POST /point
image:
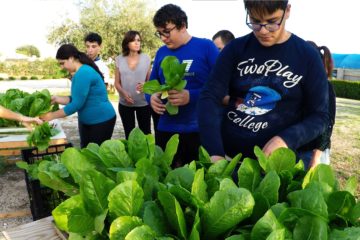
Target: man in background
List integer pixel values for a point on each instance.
(93, 47)
(222, 37)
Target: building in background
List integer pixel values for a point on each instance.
(346, 66)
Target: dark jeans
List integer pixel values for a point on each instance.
(143, 117)
(96, 133)
(188, 148)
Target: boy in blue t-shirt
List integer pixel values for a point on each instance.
(200, 56)
(272, 77)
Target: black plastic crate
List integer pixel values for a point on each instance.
(42, 199)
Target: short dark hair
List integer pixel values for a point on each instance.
(93, 37)
(170, 13)
(225, 35)
(129, 37)
(263, 7)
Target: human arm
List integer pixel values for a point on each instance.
(53, 115)
(197, 74)
(122, 92)
(210, 106)
(148, 74)
(179, 98)
(82, 82)
(156, 104)
(315, 106)
(24, 120)
(324, 140)
(320, 146)
(63, 100)
(139, 86)
(315, 158)
(154, 100)
(106, 73)
(273, 144)
(215, 158)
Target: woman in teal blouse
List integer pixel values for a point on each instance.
(96, 115)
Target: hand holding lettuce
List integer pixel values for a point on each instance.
(31, 105)
(174, 72)
(40, 136)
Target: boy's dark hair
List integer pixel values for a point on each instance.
(129, 37)
(93, 37)
(67, 51)
(170, 13)
(225, 35)
(262, 7)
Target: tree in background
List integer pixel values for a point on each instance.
(111, 19)
(47, 68)
(28, 50)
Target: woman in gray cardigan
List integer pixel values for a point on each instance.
(132, 70)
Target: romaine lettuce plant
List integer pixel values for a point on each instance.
(40, 136)
(31, 105)
(174, 72)
(126, 189)
(28, 104)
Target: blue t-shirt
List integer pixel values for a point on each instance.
(89, 97)
(269, 88)
(200, 56)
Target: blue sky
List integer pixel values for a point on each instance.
(327, 22)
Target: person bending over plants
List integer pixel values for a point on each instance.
(272, 77)
(96, 115)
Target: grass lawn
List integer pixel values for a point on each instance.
(345, 148)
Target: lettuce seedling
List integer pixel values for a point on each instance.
(174, 72)
(40, 136)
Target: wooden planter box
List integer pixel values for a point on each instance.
(12, 140)
(40, 229)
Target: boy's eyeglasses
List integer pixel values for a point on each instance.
(271, 27)
(165, 33)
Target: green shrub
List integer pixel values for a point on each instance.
(23, 78)
(1, 78)
(11, 78)
(347, 89)
(46, 67)
(34, 78)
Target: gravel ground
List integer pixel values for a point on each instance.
(13, 197)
